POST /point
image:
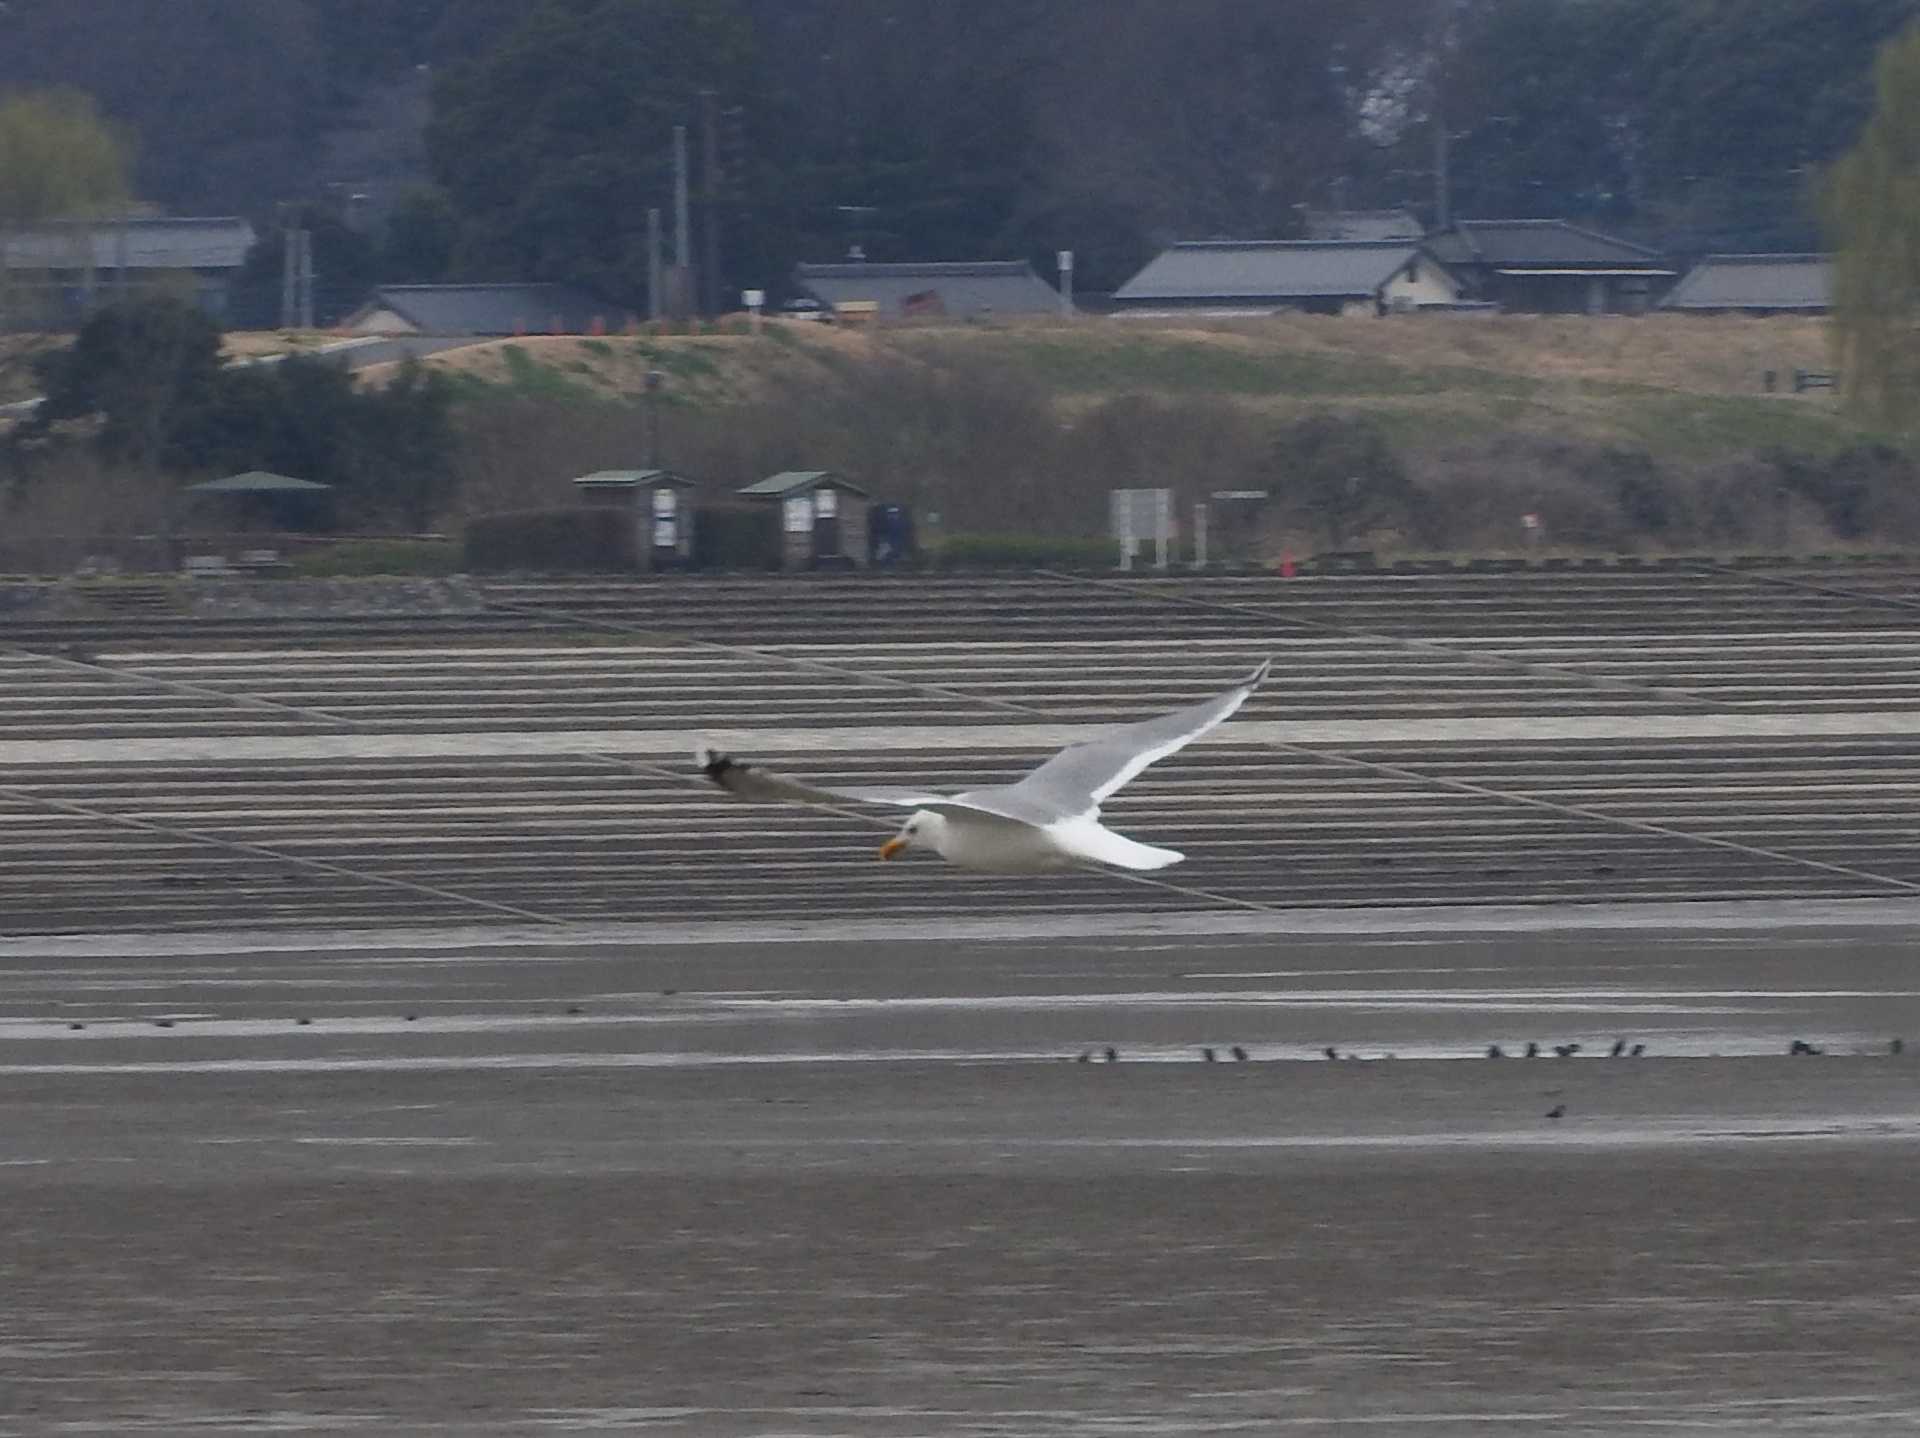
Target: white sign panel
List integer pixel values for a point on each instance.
(799, 514)
(1142, 514)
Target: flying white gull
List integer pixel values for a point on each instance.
(1048, 820)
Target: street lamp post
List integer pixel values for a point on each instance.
(655, 379)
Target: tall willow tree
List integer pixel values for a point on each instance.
(1872, 213)
(58, 161)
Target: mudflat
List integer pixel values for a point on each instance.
(869, 1189)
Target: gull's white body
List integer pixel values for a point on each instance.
(979, 841)
(1048, 820)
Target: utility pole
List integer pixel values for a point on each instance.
(710, 163)
(655, 300)
(306, 278)
(1446, 20)
(654, 380)
(680, 298)
(296, 277)
(289, 268)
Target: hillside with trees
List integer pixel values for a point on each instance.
(526, 138)
(539, 141)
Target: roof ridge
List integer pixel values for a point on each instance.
(484, 285)
(1398, 243)
(915, 264)
(1763, 256)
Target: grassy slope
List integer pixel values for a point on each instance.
(1683, 386)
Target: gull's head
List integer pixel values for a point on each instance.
(922, 831)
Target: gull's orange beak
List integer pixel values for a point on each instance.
(893, 846)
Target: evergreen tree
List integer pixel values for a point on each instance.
(553, 145)
(144, 368)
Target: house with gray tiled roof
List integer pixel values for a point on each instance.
(1551, 267)
(965, 290)
(62, 268)
(505, 309)
(1755, 284)
(1247, 277)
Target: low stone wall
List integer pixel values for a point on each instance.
(235, 598)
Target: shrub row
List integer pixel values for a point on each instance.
(580, 540)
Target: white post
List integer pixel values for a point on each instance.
(755, 301)
(1065, 260)
(1199, 536)
(1162, 528)
(1122, 502)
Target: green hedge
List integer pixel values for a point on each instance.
(355, 557)
(736, 536)
(583, 539)
(1024, 551)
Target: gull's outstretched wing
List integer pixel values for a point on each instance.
(1074, 781)
(750, 781)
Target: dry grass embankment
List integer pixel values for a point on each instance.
(1686, 385)
(1616, 429)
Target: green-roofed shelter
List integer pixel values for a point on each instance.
(258, 502)
(823, 517)
(797, 481)
(654, 502)
(258, 481)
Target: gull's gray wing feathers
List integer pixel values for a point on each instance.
(1073, 782)
(1068, 786)
(750, 781)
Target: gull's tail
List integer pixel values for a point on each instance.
(1090, 839)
